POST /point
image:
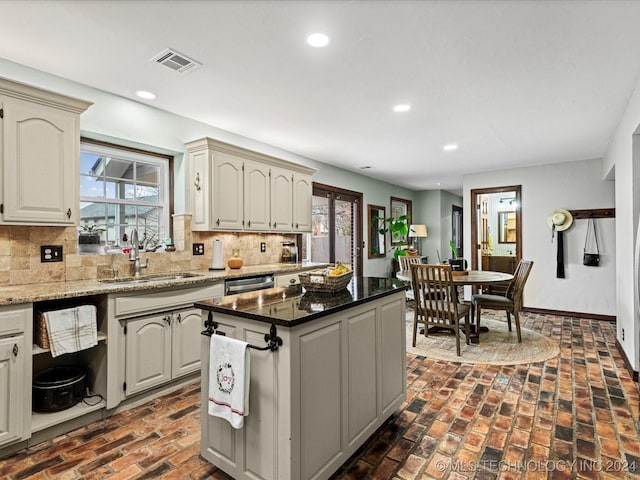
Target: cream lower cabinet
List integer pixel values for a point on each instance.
(315, 401)
(39, 156)
(160, 348)
(15, 373)
(158, 334)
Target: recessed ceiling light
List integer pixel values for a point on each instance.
(318, 40)
(402, 108)
(146, 95)
(450, 148)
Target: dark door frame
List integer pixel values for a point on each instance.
(336, 193)
(475, 193)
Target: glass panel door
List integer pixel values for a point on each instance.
(336, 228)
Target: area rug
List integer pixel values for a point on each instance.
(498, 346)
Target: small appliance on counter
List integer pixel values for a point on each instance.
(289, 252)
(58, 388)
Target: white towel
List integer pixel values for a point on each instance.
(229, 372)
(71, 329)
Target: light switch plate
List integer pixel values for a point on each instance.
(50, 253)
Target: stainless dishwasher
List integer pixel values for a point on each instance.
(248, 284)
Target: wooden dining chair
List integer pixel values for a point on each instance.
(436, 303)
(405, 266)
(510, 302)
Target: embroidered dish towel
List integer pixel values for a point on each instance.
(229, 372)
(71, 329)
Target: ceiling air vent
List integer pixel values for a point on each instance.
(176, 61)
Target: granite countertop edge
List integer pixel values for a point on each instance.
(211, 306)
(38, 292)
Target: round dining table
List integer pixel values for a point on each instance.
(472, 277)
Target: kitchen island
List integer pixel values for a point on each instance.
(338, 374)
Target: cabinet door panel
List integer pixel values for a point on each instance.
(321, 413)
(256, 196)
(393, 346)
(302, 193)
(148, 353)
(40, 154)
(361, 380)
(185, 354)
(227, 191)
(281, 200)
(11, 388)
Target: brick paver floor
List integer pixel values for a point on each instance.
(572, 417)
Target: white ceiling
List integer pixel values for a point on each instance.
(512, 83)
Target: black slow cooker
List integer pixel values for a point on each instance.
(58, 388)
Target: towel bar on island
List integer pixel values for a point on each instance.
(273, 340)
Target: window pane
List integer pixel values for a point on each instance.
(320, 229)
(91, 186)
(88, 162)
(91, 213)
(117, 168)
(147, 173)
(147, 193)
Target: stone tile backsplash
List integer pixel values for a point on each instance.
(20, 253)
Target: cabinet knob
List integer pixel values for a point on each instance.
(218, 222)
(196, 181)
(69, 213)
(274, 224)
(168, 319)
(249, 224)
(179, 318)
(296, 225)
(15, 350)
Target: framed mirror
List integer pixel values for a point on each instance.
(400, 207)
(507, 227)
(377, 241)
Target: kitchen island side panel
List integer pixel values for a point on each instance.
(304, 418)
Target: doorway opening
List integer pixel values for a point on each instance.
(336, 231)
(496, 228)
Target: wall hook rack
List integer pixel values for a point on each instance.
(593, 213)
(273, 340)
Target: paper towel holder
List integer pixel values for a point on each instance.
(217, 262)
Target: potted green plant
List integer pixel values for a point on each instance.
(399, 229)
(455, 261)
(89, 238)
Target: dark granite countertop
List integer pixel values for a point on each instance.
(290, 306)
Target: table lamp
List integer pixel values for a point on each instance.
(416, 232)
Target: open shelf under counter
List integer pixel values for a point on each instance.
(41, 421)
(37, 350)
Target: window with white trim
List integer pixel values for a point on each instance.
(122, 189)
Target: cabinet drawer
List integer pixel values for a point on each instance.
(287, 280)
(163, 299)
(12, 320)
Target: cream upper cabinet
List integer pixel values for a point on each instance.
(39, 156)
(256, 196)
(237, 189)
(228, 198)
(281, 200)
(302, 195)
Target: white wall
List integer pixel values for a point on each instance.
(572, 186)
(623, 160)
(131, 123)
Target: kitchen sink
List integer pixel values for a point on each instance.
(150, 278)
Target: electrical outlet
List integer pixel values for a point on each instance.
(50, 253)
(198, 248)
(263, 247)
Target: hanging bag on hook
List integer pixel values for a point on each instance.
(591, 259)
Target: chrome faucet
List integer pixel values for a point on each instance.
(134, 254)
